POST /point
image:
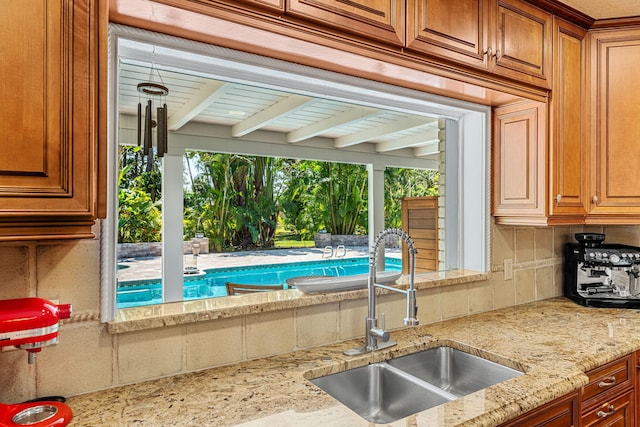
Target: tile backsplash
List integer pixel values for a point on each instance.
(88, 358)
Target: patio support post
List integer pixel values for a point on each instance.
(172, 232)
(375, 173)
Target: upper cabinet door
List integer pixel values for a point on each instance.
(519, 164)
(381, 20)
(523, 44)
(453, 29)
(567, 148)
(49, 124)
(615, 132)
(509, 38)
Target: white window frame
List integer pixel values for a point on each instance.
(468, 127)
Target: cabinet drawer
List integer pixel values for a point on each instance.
(614, 412)
(608, 379)
(562, 412)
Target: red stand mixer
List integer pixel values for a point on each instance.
(30, 324)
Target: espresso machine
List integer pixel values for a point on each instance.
(598, 274)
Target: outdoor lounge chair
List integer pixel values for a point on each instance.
(239, 289)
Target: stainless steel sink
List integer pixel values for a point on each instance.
(453, 370)
(387, 391)
(380, 393)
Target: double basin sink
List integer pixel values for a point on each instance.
(387, 391)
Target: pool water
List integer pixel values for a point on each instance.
(213, 282)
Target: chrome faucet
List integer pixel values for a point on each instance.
(377, 337)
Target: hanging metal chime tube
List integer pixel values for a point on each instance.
(148, 124)
(161, 132)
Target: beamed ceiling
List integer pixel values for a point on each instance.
(244, 109)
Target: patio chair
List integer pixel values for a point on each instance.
(239, 288)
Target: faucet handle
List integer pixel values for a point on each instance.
(380, 332)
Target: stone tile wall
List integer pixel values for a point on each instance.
(88, 358)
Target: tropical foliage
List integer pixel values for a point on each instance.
(238, 201)
(399, 183)
(139, 217)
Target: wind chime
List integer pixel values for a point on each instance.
(152, 91)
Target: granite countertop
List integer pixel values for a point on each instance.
(554, 341)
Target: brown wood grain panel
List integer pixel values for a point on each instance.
(381, 20)
(419, 220)
(422, 223)
(568, 152)
(520, 160)
(427, 266)
(620, 142)
(32, 94)
(55, 82)
(425, 213)
(427, 254)
(423, 234)
(619, 413)
(562, 412)
(615, 133)
(453, 29)
(618, 372)
(523, 43)
(425, 243)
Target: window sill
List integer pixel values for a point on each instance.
(201, 310)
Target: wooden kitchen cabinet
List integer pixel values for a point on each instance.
(380, 20)
(452, 29)
(593, 159)
(607, 381)
(614, 134)
(609, 397)
(519, 164)
(567, 144)
(522, 196)
(523, 42)
(511, 38)
(562, 412)
(618, 412)
(52, 175)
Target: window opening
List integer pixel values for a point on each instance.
(303, 91)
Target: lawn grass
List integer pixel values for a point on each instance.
(285, 239)
(283, 244)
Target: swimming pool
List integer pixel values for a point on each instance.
(212, 282)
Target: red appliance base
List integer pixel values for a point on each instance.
(35, 414)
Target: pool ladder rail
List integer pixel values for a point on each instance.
(328, 252)
(378, 337)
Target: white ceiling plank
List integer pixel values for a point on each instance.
(286, 106)
(206, 96)
(427, 150)
(380, 131)
(429, 135)
(347, 117)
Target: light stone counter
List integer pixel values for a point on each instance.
(554, 341)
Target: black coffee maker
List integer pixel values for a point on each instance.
(597, 274)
